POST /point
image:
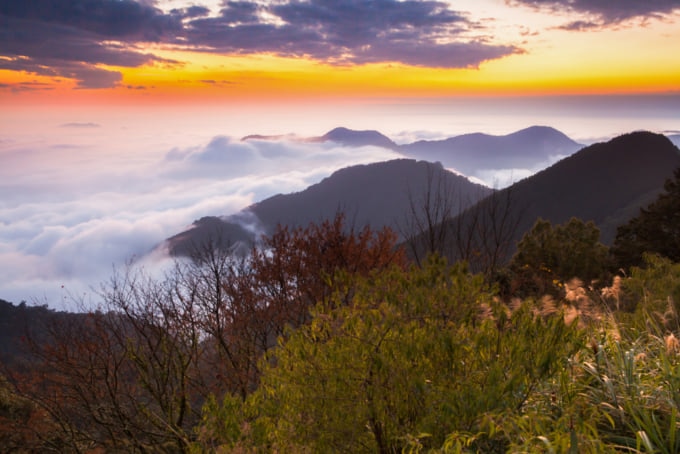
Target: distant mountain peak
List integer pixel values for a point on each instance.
(476, 153)
(356, 138)
(542, 131)
(606, 182)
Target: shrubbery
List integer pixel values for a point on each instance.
(429, 360)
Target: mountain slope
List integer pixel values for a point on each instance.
(375, 194)
(606, 183)
(469, 153)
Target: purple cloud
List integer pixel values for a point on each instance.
(604, 13)
(420, 33)
(70, 38)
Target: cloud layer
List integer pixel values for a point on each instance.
(72, 211)
(421, 33)
(78, 39)
(84, 190)
(74, 38)
(599, 13)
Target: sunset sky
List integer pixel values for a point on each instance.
(120, 120)
(127, 51)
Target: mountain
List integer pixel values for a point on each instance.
(475, 155)
(352, 138)
(342, 136)
(470, 153)
(606, 183)
(378, 195)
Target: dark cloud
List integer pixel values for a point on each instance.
(126, 20)
(241, 12)
(86, 75)
(421, 33)
(449, 55)
(190, 12)
(70, 38)
(581, 25)
(602, 12)
(26, 86)
(74, 38)
(51, 43)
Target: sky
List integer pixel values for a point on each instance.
(120, 120)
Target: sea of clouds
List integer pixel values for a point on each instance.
(82, 193)
(75, 205)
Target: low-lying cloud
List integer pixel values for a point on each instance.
(70, 213)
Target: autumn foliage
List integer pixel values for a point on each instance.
(133, 375)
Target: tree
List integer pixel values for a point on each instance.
(414, 357)
(424, 227)
(133, 375)
(484, 233)
(548, 254)
(441, 221)
(296, 268)
(24, 427)
(655, 230)
(127, 380)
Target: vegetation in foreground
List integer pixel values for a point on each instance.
(326, 340)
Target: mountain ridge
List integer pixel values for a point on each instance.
(607, 183)
(477, 155)
(377, 194)
(468, 153)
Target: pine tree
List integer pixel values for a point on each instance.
(655, 230)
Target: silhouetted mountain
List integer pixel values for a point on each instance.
(474, 155)
(606, 183)
(352, 138)
(470, 153)
(375, 194)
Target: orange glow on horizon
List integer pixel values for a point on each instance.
(629, 58)
(206, 78)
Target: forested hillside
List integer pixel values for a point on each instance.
(379, 195)
(606, 183)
